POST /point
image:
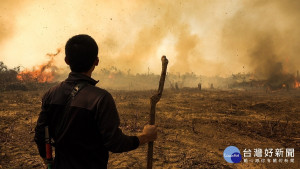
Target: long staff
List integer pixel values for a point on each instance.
(153, 101)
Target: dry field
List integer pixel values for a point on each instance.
(194, 127)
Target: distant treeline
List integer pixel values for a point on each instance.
(114, 78)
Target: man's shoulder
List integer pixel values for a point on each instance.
(90, 97)
(52, 89)
(88, 92)
(91, 88)
(96, 91)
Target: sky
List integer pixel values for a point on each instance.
(207, 37)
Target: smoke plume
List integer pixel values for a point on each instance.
(208, 37)
(262, 35)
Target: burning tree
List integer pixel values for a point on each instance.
(42, 73)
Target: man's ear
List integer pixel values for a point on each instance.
(96, 62)
(67, 61)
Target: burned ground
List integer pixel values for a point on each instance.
(194, 127)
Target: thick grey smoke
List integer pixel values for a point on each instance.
(264, 36)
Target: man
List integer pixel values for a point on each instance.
(84, 125)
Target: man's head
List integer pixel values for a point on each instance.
(81, 53)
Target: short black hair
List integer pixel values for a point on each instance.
(81, 52)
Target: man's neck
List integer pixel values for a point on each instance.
(89, 74)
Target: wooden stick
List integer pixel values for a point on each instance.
(153, 101)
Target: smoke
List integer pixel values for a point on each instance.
(185, 47)
(8, 12)
(167, 22)
(262, 36)
(147, 41)
(208, 37)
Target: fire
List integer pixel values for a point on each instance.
(42, 73)
(297, 84)
(111, 76)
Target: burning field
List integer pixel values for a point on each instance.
(195, 126)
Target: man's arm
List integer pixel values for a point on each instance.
(108, 122)
(39, 137)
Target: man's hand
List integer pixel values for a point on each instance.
(149, 134)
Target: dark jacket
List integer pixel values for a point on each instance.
(92, 127)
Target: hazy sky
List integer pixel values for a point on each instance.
(209, 37)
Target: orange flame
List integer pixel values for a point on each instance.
(111, 76)
(297, 84)
(42, 73)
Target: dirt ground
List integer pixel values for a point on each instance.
(194, 127)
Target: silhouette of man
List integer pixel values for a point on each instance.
(83, 119)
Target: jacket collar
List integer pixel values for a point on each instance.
(75, 77)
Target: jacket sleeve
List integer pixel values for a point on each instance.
(108, 121)
(39, 137)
